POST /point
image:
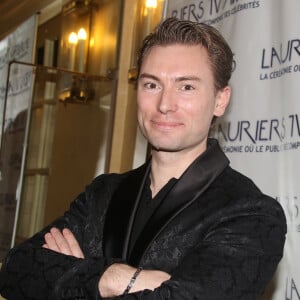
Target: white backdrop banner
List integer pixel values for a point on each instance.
(15, 101)
(261, 130)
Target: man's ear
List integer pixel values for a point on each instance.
(222, 101)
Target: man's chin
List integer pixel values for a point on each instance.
(164, 148)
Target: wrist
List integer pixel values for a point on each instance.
(115, 279)
(132, 280)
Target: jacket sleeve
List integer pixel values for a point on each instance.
(32, 272)
(235, 260)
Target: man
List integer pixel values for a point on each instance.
(184, 225)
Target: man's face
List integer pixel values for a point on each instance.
(176, 98)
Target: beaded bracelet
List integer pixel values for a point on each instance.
(132, 280)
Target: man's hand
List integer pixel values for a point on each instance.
(63, 242)
(116, 278)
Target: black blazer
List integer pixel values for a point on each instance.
(216, 234)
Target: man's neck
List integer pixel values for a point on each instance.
(167, 165)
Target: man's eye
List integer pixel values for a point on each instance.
(187, 87)
(150, 85)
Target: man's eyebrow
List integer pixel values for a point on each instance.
(178, 79)
(149, 76)
(187, 78)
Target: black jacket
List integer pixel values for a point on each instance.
(216, 234)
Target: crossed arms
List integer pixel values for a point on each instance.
(115, 279)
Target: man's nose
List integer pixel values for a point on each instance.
(167, 102)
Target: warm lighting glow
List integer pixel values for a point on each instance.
(151, 3)
(73, 38)
(81, 34)
(92, 42)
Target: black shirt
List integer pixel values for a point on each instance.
(147, 207)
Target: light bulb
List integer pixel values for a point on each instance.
(73, 38)
(81, 34)
(151, 3)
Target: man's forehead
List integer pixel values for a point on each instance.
(176, 53)
(178, 61)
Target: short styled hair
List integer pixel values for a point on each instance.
(174, 31)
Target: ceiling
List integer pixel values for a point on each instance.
(14, 12)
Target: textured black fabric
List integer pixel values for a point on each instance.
(223, 240)
(146, 208)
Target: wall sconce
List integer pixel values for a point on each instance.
(77, 55)
(150, 6)
(149, 14)
(74, 51)
(79, 89)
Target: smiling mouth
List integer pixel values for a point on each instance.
(163, 125)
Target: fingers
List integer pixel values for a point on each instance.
(72, 242)
(63, 242)
(56, 242)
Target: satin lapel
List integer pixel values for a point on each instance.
(120, 213)
(194, 181)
